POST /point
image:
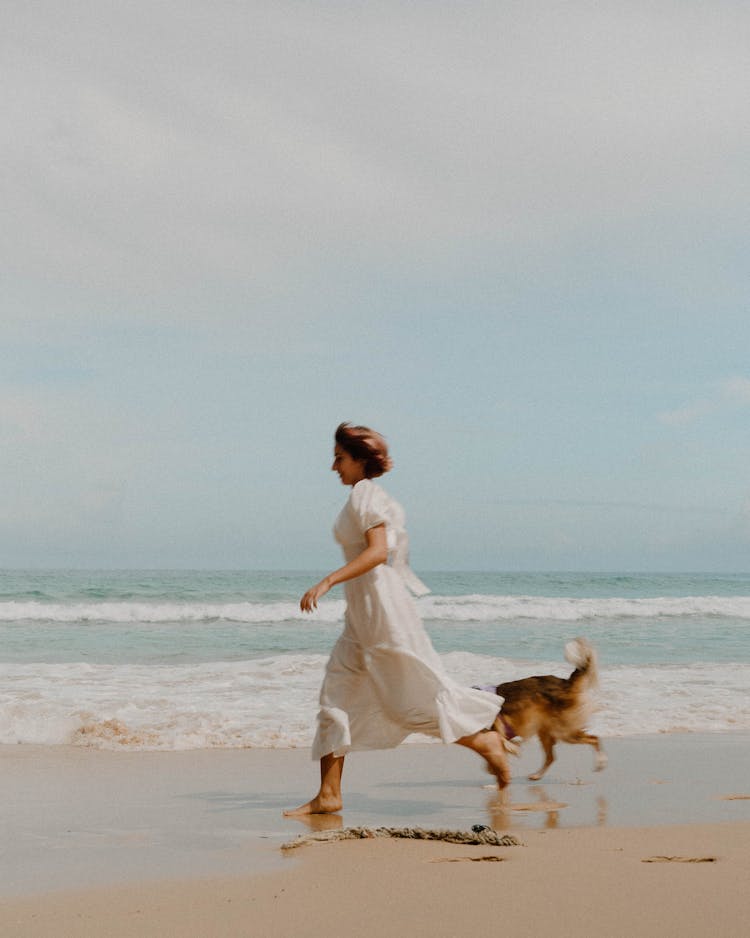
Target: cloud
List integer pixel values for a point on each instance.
(683, 416)
(63, 455)
(153, 145)
(736, 390)
(21, 419)
(612, 505)
(727, 394)
(744, 515)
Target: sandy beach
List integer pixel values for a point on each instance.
(190, 843)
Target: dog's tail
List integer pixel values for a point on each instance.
(583, 658)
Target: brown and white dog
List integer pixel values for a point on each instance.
(555, 709)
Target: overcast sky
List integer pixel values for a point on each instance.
(511, 236)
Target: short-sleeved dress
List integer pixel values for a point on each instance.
(384, 680)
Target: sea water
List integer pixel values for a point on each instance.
(200, 659)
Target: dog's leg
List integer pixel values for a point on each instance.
(581, 737)
(548, 745)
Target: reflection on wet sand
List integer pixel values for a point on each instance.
(320, 822)
(601, 813)
(505, 814)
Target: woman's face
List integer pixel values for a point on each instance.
(350, 470)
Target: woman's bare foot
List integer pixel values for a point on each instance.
(328, 800)
(497, 764)
(317, 805)
(489, 745)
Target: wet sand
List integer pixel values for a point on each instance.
(202, 830)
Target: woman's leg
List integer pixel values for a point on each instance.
(328, 800)
(487, 743)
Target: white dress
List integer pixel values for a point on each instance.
(384, 680)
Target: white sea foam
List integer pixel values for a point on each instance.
(165, 612)
(472, 608)
(261, 703)
(271, 702)
(480, 608)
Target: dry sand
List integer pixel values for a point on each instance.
(187, 844)
(576, 882)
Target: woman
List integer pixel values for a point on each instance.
(384, 679)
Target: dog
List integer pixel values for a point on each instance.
(555, 709)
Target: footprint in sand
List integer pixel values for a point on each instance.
(679, 860)
(490, 858)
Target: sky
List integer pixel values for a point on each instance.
(513, 237)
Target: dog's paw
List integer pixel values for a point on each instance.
(510, 747)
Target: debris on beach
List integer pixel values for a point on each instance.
(490, 857)
(679, 860)
(486, 837)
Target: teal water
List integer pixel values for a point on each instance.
(193, 616)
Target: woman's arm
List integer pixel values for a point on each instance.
(374, 554)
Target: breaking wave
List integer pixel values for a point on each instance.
(472, 608)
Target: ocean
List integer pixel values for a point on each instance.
(206, 659)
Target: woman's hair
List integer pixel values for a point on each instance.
(367, 445)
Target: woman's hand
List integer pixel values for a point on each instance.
(309, 602)
(374, 554)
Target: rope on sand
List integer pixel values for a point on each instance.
(486, 837)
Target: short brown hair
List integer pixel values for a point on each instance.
(367, 445)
